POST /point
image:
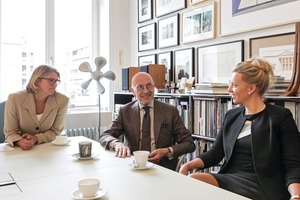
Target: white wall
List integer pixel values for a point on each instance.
(119, 42)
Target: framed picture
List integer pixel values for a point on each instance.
(164, 7)
(168, 32)
(198, 24)
(147, 37)
(147, 59)
(166, 58)
(277, 49)
(243, 13)
(216, 62)
(192, 2)
(184, 64)
(145, 10)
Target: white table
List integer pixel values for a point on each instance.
(50, 172)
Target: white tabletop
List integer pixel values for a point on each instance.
(50, 172)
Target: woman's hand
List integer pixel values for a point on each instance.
(25, 144)
(184, 169)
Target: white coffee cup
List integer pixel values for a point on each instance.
(61, 139)
(141, 158)
(88, 187)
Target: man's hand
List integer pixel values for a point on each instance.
(121, 150)
(157, 155)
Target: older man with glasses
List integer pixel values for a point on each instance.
(164, 134)
(37, 114)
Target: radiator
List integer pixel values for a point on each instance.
(91, 132)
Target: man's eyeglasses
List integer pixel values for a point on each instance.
(52, 81)
(141, 88)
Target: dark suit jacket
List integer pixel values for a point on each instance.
(275, 148)
(20, 117)
(169, 130)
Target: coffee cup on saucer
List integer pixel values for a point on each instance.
(61, 139)
(89, 187)
(141, 158)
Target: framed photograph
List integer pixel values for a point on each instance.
(166, 58)
(247, 14)
(145, 10)
(184, 64)
(192, 2)
(147, 59)
(164, 7)
(277, 49)
(147, 37)
(216, 62)
(168, 32)
(198, 24)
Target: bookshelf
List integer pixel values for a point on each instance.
(182, 102)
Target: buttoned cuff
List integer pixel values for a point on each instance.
(170, 154)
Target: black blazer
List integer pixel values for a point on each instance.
(275, 148)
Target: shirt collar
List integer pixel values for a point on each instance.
(151, 104)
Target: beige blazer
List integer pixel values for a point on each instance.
(20, 117)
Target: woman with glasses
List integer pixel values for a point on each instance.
(37, 114)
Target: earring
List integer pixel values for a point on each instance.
(249, 93)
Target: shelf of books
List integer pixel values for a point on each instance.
(181, 101)
(209, 112)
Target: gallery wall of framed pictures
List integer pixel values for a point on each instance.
(185, 35)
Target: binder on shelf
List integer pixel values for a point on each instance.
(127, 74)
(157, 72)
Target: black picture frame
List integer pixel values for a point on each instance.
(168, 32)
(183, 64)
(166, 58)
(145, 10)
(147, 37)
(146, 59)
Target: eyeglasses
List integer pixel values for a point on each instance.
(141, 88)
(52, 81)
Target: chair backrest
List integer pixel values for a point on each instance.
(2, 106)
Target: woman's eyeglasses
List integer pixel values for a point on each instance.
(52, 81)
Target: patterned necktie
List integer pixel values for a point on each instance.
(145, 144)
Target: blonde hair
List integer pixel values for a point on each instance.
(40, 72)
(258, 72)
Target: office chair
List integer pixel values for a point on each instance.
(2, 136)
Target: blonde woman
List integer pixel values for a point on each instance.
(37, 114)
(260, 143)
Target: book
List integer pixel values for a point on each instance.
(210, 88)
(214, 90)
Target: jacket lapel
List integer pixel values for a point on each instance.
(135, 121)
(49, 107)
(159, 118)
(29, 106)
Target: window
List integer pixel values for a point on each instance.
(25, 44)
(22, 42)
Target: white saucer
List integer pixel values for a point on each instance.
(76, 155)
(148, 165)
(60, 144)
(77, 195)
